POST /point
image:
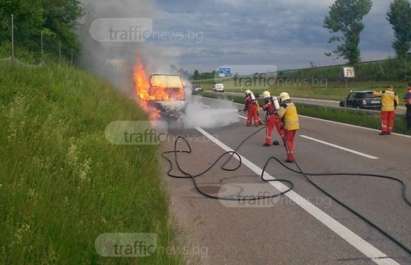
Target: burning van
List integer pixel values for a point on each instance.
(159, 95)
(167, 94)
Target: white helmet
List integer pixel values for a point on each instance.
(284, 96)
(252, 96)
(248, 92)
(266, 94)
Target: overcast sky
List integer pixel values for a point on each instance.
(286, 33)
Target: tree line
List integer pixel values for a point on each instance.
(55, 21)
(345, 23)
(50, 20)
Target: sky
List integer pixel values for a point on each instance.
(285, 33)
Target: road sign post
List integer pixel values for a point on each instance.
(349, 73)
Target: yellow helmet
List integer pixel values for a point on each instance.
(285, 96)
(266, 94)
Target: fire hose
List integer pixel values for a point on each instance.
(184, 174)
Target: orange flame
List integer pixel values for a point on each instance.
(159, 90)
(141, 86)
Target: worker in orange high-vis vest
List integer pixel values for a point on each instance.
(389, 103)
(289, 115)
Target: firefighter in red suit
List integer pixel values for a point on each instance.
(289, 115)
(271, 106)
(252, 109)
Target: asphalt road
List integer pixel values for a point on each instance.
(305, 226)
(321, 102)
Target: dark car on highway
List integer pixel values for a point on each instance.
(362, 100)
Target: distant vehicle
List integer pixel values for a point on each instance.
(197, 90)
(362, 100)
(218, 88)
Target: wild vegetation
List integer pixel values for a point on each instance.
(34, 20)
(62, 183)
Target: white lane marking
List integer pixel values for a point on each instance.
(343, 124)
(352, 126)
(334, 145)
(353, 239)
(317, 100)
(339, 147)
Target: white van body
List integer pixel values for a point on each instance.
(218, 88)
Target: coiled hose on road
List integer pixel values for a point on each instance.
(184, 174)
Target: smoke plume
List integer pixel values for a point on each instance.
(220, 114)
(115, 60)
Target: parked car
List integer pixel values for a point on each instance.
(197, 90)
(218, 88)
(362, 100)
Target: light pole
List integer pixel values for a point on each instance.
(12, 38)
(60, 51)
(42, 46)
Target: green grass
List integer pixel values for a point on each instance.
(25, 56)
(62, 184)
(318, 89)
(365, 119)
(336, 90)
(390, 69)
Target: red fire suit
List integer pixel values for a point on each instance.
(251, 108)
(272, 121)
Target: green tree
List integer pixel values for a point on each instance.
(345, 21)
(55, 18)
(399, 16)
(28, 20)
(196, 75)
(60, 17)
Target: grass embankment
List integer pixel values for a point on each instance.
(365, 119)
(336, 90)
(62, 184)
(322, 82)
(304, 89)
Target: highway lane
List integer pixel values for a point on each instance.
(285, 233)
(272, 232)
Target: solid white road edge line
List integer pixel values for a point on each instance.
(353, 239)
(353, 126)
(335, 146)
(339, 147)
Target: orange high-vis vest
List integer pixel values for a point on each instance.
(388, 100)
(289, 115)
